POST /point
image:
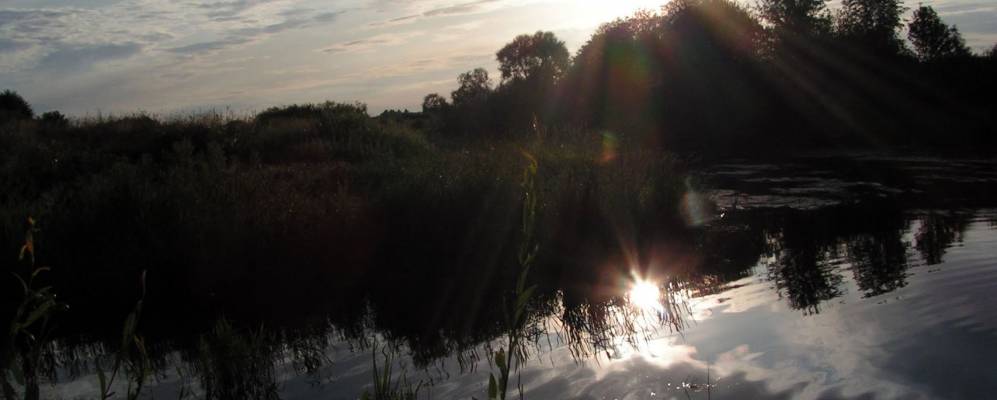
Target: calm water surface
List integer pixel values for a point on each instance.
(868, 277)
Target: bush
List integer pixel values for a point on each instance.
(13, 107)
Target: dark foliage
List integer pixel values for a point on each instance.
(13, 107)
(709, 77)
(932, 39)
(540, 57)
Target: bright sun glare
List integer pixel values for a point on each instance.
(646, 295)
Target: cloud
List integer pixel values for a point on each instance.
(370, 43)
(224, 10)
(459, 8)
(425, 65)
(208, 46)
(10, 17)
(7, 45)
(449, 10)
(251, 34)
(77, 58)
(32, 25)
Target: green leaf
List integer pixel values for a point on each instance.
(521, 301)
(492, 387)
(38, 271)
(37, 313)
(128, 331)
(500, 360)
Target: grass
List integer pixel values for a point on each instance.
(385, 385)
(295, 202)
(32, 327)
(32, 336)
(130, 360)
(237, 365)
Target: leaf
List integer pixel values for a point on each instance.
(27, 248)
(24, 285)
(38, 271)
(492, 387)
(128, 331)
(37, 313)
(102, 380)
(500, 360)
(521, 301)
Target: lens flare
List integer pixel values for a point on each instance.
(646, 295)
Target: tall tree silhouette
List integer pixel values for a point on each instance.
(872, 25)
(932, 39)
(473, 87)
(531, 67)
(540, 56)
(434, 103)
(471, 113)
(791, 19)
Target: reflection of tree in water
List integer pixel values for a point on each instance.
(937, 232)
(432, 317)
(803, 274)
(879, 261)
(806, 249)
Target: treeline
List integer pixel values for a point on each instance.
(712, 77)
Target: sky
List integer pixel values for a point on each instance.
(174, 57)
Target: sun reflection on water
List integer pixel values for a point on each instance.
(646, 295)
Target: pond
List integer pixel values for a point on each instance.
(818, 277)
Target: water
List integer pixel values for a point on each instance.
(823, 277)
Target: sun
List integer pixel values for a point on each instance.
(646, 295)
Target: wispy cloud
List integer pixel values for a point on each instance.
(250, 34)
(7, 45)
(443, 10)
(75, 58)
(211, 45)
(225, 10)
(371, 43)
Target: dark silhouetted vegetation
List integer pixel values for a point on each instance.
(421, 226)
(13, 107)
(713, 78)
(932, 39)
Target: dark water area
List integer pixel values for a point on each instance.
(817, 277)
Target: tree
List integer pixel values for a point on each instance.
(872, 24)
(932, 39)
(14, 107)
(54, 119)
(795, 17)
(474, 86)
(433, 103)
(538, 56)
